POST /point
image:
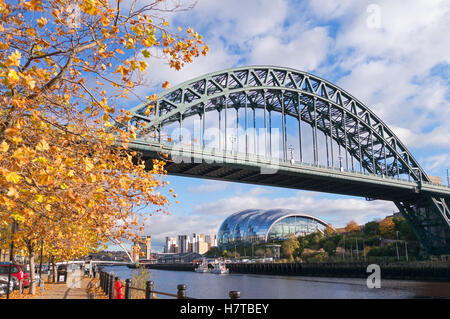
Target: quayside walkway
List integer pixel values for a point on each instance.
(76, 290)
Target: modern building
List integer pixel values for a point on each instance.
(435, 179)
(196, 238)
(259, 226)
(211, 240)
(135, 251)
(198, 243)
(201, 247)
(146, 247)
(142, 249)
(171, 245)
(183, 244)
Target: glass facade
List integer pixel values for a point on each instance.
(255, 225)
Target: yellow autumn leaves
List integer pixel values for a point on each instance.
(11, 77)
(67, 176)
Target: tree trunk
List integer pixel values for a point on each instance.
(32, 274)
(54, 269)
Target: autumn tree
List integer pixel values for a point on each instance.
(404, 229)
(352, 226)
(329, 246)
(65, 168)
(387, 228)
(371, 228)
(329, 231)
(289, 246)
(259, 252)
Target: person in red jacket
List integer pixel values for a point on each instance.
(118, 289)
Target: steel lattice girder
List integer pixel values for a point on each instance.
(309, 99)
(430, 221)
(207, 93)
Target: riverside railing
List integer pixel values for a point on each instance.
(107, 285)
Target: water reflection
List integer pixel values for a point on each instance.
(214, 286)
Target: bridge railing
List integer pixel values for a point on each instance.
(107, 285)
(186, 148)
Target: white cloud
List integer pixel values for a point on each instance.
(237, 20)
(160, 226)
(207, 217)
(389, 68)
(253, 34)
(208, 187)
(433, 163)
(298, 47)
(338, 212)
(159, 70)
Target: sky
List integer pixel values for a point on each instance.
(392, 55)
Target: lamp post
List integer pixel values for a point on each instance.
(291, 150)
(232, 140)
(343, 250)
(364, 250)
(406, 250)
(341, 168)
(351, 252)
(396, 245)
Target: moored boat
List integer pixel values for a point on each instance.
(219, 268)
(203, 267)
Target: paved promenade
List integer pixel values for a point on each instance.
(77, 289)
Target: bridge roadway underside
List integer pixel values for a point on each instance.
(282, 174)
(422, 204)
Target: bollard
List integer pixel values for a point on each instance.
(106, 282)
(111, 286)
(235, 294)
(181, 294)
(149, 288)
(127, 289)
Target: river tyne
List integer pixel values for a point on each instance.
(213, 286)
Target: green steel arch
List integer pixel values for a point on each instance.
(326, 108)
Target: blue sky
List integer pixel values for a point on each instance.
(391, 56)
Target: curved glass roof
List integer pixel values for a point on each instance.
(253, 225)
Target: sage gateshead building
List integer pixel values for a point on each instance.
(259, 226)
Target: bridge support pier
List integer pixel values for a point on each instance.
(430, 220)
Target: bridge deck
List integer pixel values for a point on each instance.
(209, 164)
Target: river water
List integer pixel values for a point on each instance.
(214, 286)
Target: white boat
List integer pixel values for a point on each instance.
(219, 268)
(203, 267)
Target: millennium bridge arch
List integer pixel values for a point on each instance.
(351, 150)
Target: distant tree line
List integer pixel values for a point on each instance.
(374, 239)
